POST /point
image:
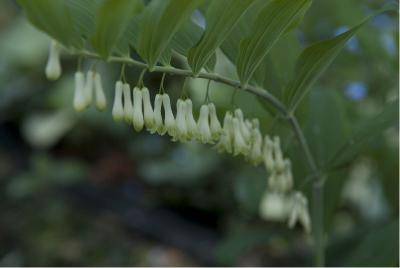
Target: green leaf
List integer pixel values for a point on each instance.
(112, 18)
(274, 20)
(312, 62)
(327, 125)
(221, 17)
(187, 36)
(161, 20)
(365, 133)
(230, 46)
(66, 21)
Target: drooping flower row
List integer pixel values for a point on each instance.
(236, 136)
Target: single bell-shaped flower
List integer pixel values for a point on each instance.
(53, 66)
(224, 144)
(118, 108)
(268, 150)
(181, 120)
(227, 135)
(287, 171)
(203, 125)
(273, 182)
(88, 89)
(147, 109)
(239, 144)
(278, 157)
(215, 125)
(299, 212)
(158, 120)
(101, 101)
(79, 97)
(169, 120)
(245, 131)
(192, 130)
(137, 119)
(128, 106)
(256, 155)
(255, 123)
(274, 206)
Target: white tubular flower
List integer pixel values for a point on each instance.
(278, 157)
(203, 125)
(79, 97)
(268, 154)
(239, 144)
(181, 120)
(215, 125)
(273, 182)
(169, 120)
(256, 155)
(227, 135)
(287, 171)
(118, 108)
(101, 101)
(53, 66)
(147, 109)
(255, 123)
(299, 212)
(158, 121)
(137, 118)
(191, 124)
(128, 106)
(274, 206)
(243, 127)
(88, 89)
(249, 125)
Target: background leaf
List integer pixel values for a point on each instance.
(221, 17)
(65, 21)
(160, 22)
(275, 19)
(384, 240)
(112, 19)
(365, 133)
(312, 62)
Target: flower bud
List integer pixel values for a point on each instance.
(287, 171)
(203, 125)
(191, 124)
(79, 97)
(118, 109)
(158, 121)
(239, 145)
(101, 101)
(215, 126)
(268, 154)
(278, 157)
(137, 118)
(169, 120)
(242, 125)
(255, 123)
(256, 155)
(227, 135)
(53, 66)
(128, 106)
(147, 109)
(181, 119)
(274, 206)
(88, 89)
(299, 212)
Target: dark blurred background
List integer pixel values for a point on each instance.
(81, 189)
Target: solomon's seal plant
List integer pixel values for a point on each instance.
(244, 34)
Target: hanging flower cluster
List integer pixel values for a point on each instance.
(237, 135)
